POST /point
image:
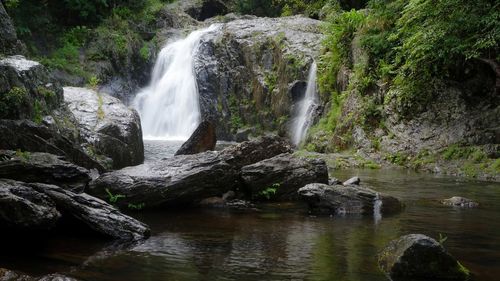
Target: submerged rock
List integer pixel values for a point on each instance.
(202, 139)
(42, 168)
(185, 179)
(416, 256)
(462, 202)
(95, 213)
(280, 177)
(338, 200)
(24, 209)
(107, 126)
(29, 136)
(10, 275)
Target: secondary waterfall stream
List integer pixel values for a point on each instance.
(305, 109)
(169, 107)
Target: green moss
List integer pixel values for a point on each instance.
(38, 112)
(11, 102)
(100, 111)
(23, 155)
(398, 158)
(144, 52)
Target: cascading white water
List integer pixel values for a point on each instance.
(377, 209)
(169, 107)
(306, 107)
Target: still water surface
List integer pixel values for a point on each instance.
(281, 242)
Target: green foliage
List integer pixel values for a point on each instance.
(12, 101)
(37, 112)
(94, 82)
(114, 198)
(270, 191)
(23, 155)
(136, 207)
(442, 239)
(339, 31)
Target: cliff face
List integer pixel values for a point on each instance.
(9, 44)
(253, 70)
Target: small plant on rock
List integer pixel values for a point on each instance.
(114, 198)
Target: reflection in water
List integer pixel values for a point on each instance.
(278, 244)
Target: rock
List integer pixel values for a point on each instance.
(339, 200)
(26, 89)
(202, 139)
(43, 168)
(9, 44)
(28, 136)
(334, 181)
(107, 126)
(10, 275)
(280, 177)
(186, 179)
(24, 209)
(202, 10)
(352, 181)
(213, 202)
(457, 201)
(228, 195)
(183, 179)
(253, 151)
(95, 213)
(243, 134)
(420, 257)
(233, 68)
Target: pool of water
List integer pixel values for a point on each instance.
(282, 242)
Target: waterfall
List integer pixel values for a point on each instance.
(305, 108)
(377, 208)
(169, 106)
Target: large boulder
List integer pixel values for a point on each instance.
(247, 69)
(107, 126)
(9, 44)
(280, 177)
(95, 213)
(253, 151)
(43, 168)
(416, 256)
(338, 200)
(202, 139)
(26, 135)
(24, 209)
(185, 179)
(26, 89)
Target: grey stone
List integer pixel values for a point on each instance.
(107, 126)
(203, 139)
(43, 168)
(416, 256)
(462, 202)
(352, 181)
(284, 174)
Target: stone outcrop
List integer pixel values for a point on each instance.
(185, 179)
(42, 168)
(26, 135)
(106, 126)
(26, 89)
(279, 177)
(202, 139)
(95, 213)
(416, 256)
(24, 209)
(246, 70)
(339, 200)
(10, 275)
(9, 44)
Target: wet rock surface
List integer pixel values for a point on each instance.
(281, 176)
(9, 44)
(419, 257)
(10, 275)
(43, 168)
(457, 201)
(186, 179)
(95, 213)
(24, 209)
(107, 126)
(339, 200)
(246, 70)
(26, 135)
(202, 139)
